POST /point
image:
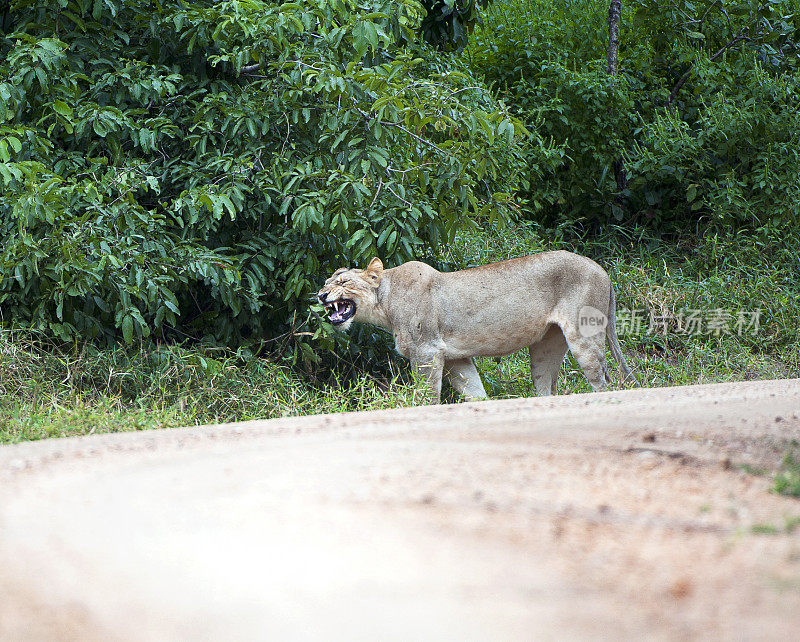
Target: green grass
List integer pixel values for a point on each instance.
(789, 526)
(51, 392)
(787, 478)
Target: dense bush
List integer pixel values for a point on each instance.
(701, 117)
(447, 24)
(195, 168)
(736, 162)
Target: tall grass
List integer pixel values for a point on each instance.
(52, 391)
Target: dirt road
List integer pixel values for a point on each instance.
(603, 516)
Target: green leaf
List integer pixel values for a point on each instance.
(99, 128)
(127, 329)
(62, 108)
(16, 145)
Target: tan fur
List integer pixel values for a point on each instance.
(440, 321)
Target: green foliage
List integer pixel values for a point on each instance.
(591, 116)
(195, 169)
(701, 117)
(734, 163)
(448, 23)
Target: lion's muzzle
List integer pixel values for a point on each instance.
(339, 310)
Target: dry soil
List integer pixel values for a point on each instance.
(618, 515)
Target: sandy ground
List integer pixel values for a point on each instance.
(617, 515)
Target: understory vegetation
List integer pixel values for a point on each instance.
(175, 184)
(49, 390)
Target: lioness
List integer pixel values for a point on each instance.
(546, 302)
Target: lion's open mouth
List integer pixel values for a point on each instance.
(340, 311)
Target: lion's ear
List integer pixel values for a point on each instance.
(374, 271)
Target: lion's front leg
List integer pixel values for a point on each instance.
(430, 363)
(464, 377)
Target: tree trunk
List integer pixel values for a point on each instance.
(613, 36)
(613, 64)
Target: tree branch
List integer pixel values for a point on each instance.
(389, 123)
(682, 80)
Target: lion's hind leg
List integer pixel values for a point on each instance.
(547, 355)
(464, 377)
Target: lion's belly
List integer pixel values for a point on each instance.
(494, 337)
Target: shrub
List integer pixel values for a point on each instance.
(700, 117)
(194, 168)
(735, 162)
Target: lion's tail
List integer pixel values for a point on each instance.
(613, 341)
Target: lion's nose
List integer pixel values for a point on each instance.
(322, 296)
